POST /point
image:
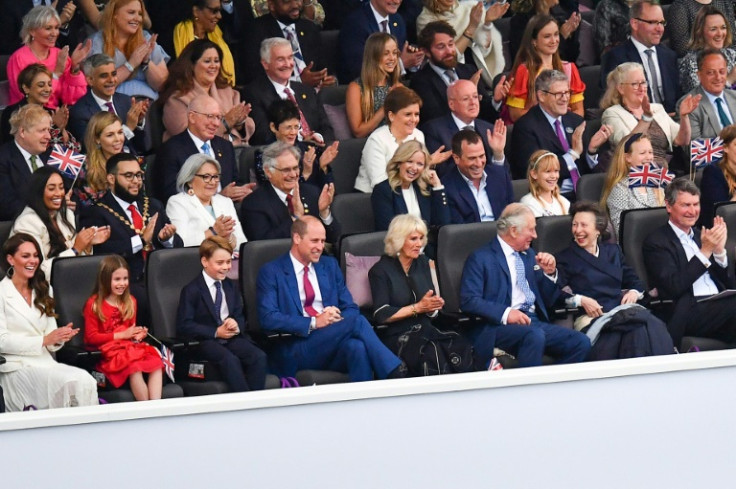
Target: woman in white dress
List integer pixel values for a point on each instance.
(544, 198)
(31, 377)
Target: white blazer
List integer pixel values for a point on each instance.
(191, 219)
(29, 222)
(22, 328)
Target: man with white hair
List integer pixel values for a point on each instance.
(277, 59)
(510, 286)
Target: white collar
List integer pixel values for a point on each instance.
(460, 124)
(209, 280)
(198, 142)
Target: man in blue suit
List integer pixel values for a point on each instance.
(211, 312)
(510, 286)
(303, 294)
(476, 191)
(660, 62)
(463, 104)
(102, 78)
(373, 16)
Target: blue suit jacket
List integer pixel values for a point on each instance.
(463, 208)
(279, 307)
(388, 204)
(356, 28)
(439, 132)
(81, 112)
(603, 278)
(667, 68)
(196, 317)
(485, 289)
(714, 189)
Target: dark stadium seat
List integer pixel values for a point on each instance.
(554, 234)
(520, 188)
(73, 280)
(591, 76)
(354, 212)
(590, 187)
(329, 54)
(346, 163)
(368, 244)
(253, 255)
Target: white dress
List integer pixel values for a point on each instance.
(377, 152)
(541, 208)
(31, 375)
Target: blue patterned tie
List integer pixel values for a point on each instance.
(206, 149)
(523, 284)
(218, 301)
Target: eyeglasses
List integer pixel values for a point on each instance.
(130, 176)
(207, 177)
(662, 23)
(558, 95)
(291, 169)
(639, 84)
(210, 117)
(214, 11)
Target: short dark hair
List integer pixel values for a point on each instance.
(467, 136)
(638, 7)
(112, 164)
(601, 218)
(682, 184)
(281, 111)
(400, 98)
(426, 37)
(700, 58)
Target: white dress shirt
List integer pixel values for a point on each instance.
(317, 302)
(517, 295)
(485, 210)
(704, 285)
(27, 157)
(224, 311)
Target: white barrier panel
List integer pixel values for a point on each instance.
(643, 423)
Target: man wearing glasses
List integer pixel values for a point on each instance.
(660, 63)
(270, 210)
(551, 126)
(138, 224)
(203, 120)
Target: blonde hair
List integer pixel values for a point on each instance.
(543, 160)
(405, 151)
(26, 117)
(615, 78)
(371, 75)
(96, 161)
(619, 169)
(400, 228)
(109, 29)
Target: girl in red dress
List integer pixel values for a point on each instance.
(109, 318)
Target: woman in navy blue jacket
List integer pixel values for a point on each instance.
(719, 179)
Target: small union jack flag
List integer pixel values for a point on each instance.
(705, 151)
(665, 177)
(167, 356)
(645, 176)
(66, 160)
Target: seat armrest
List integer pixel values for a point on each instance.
(2, 359)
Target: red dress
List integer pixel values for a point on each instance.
(120, 358)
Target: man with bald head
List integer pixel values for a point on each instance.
(204, 117)
(510, 287)
(464, 107)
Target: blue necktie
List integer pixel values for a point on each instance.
(218, 301)
(523, 284)
(725, 121)
(206, 149)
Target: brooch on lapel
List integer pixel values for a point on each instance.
(306, 207)
(396, 24)
(301, 33)
(219, 154)
(569, 130)
(304, 96)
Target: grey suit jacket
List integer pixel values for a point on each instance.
(704, 121)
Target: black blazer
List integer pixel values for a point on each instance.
(387, 204)
(463, 208)
(81, 112)
(121, 232)
(174, 152)
(260, 93)
(265, 216)
(439, 132)
(532, 132)
(267, 26)
(196, 318)
(673, 275)
(433, 91)
(356, 28)
(14, 175)
(603, 277)
(667, 68)
(392, 289)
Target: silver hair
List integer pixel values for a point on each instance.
(268, 44)
(95, 61)
(547, 77)
(274, 150)
(190, 168)
(37, 17)
(678, 185)
(513, 216)
(400, 228)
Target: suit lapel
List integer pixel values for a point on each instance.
(601, 263)
(15, 301)
(290, 277)
(207, 298)
(323, 280)
(466, 194)
(710, 113)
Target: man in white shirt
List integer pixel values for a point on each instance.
(688, 265)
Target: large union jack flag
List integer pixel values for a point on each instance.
(167, 357)
(66, 160)
(705, 151)
(649, 175)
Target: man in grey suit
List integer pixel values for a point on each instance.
(717, 108)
